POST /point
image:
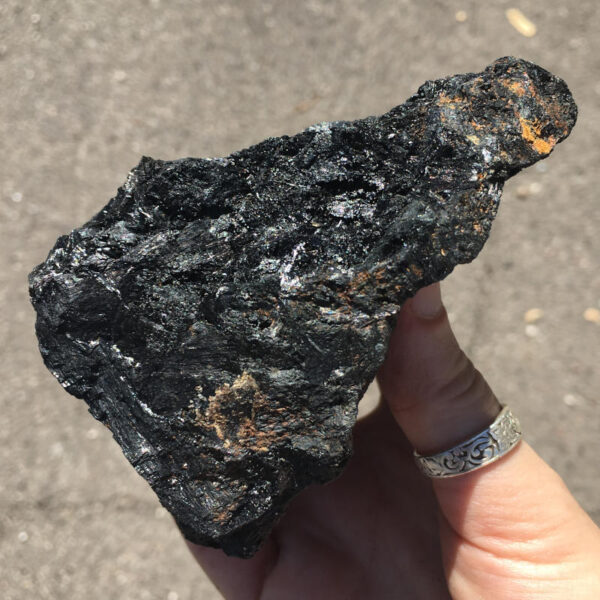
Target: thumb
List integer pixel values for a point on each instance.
(512, 521)
(437, 396)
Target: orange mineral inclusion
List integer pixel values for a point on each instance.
(531, 132)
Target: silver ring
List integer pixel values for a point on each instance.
(476, 452)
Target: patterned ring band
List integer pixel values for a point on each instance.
(480, 450)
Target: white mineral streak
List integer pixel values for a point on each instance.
(323, 127)
(378, 182)
(286, 283)
(140, 447)
(269, 265)
(147, 409)
(130, 182)
(338, 209)
(128, 360)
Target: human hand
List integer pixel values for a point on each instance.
(510, 530)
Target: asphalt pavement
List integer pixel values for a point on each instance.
(88, 87)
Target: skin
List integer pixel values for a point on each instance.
(383, 531)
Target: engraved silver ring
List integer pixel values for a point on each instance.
(482, 449)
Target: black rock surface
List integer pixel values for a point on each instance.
(223, 317)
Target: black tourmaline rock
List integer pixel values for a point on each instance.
(223, 317)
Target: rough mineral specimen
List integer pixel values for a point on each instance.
(223, 317)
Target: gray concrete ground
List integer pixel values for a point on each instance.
(87, 87)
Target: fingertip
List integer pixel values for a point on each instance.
(427, 303)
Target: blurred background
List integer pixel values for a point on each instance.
(87, 87)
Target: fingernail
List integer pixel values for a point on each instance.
(427, 304)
